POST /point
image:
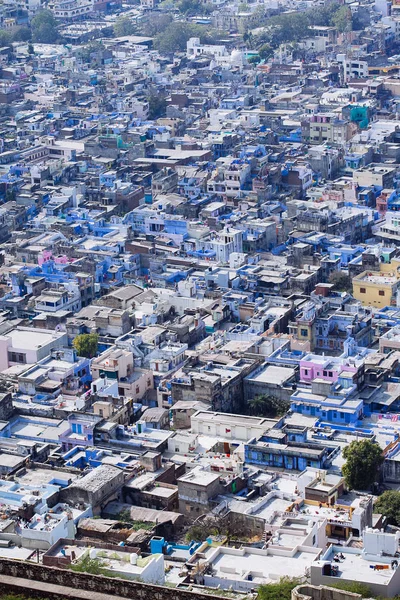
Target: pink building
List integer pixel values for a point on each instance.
(329, 368)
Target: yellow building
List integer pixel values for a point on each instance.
(376, 289)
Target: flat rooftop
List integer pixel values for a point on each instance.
(272, 374)
(355, 565)
(230, 563)
(199, 477)
(32, 339)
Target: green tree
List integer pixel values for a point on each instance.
(268, 406)
(5, 38)
(217, 525)
(363, 460)
(124, 26)
(341, 281)
(86, 344)
(293, 27)
(389, 505)
(174, 37)
(157, 104)
(265, 51)
(342, 19)
(21, 34)
(278, 591)
(44, 27)
(284, 28)
(86, 52)
(156, 24)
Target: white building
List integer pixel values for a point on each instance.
(24, 345)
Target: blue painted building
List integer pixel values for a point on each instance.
(292, 456)
(339, 405)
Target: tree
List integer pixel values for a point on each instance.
(341, 281)
(194, 7)
(342, 19)
(5, 38)
(174, 37)
(278, 591)
(86, 53)
(124, 26)
(292, 27)
(363, 460)
(225, 525)
(268, 406)
(86, 344)
(21, 34)
(389, 505)
(265, 51)
(156, 24)
(157, 104)
(44, 27)
(284, 28)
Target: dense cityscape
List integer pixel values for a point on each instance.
(199, 299)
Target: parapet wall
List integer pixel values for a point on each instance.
(322, 592)
(89, 586)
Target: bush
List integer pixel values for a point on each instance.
(355, 587)
(278, 591)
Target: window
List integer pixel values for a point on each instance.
(303, 332)
(305, 371)
(17, 357)
(362, 290)
(325, 373)
(381, 292)
(330, 374)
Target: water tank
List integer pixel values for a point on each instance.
(93, 553)
(133, 558)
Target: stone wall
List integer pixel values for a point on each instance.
(322, 592)
(50, 576)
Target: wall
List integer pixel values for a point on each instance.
(81, 586)
(312, 592)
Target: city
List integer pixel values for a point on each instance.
(199, 299)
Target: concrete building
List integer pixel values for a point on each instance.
(96, 488)
(196, 489)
